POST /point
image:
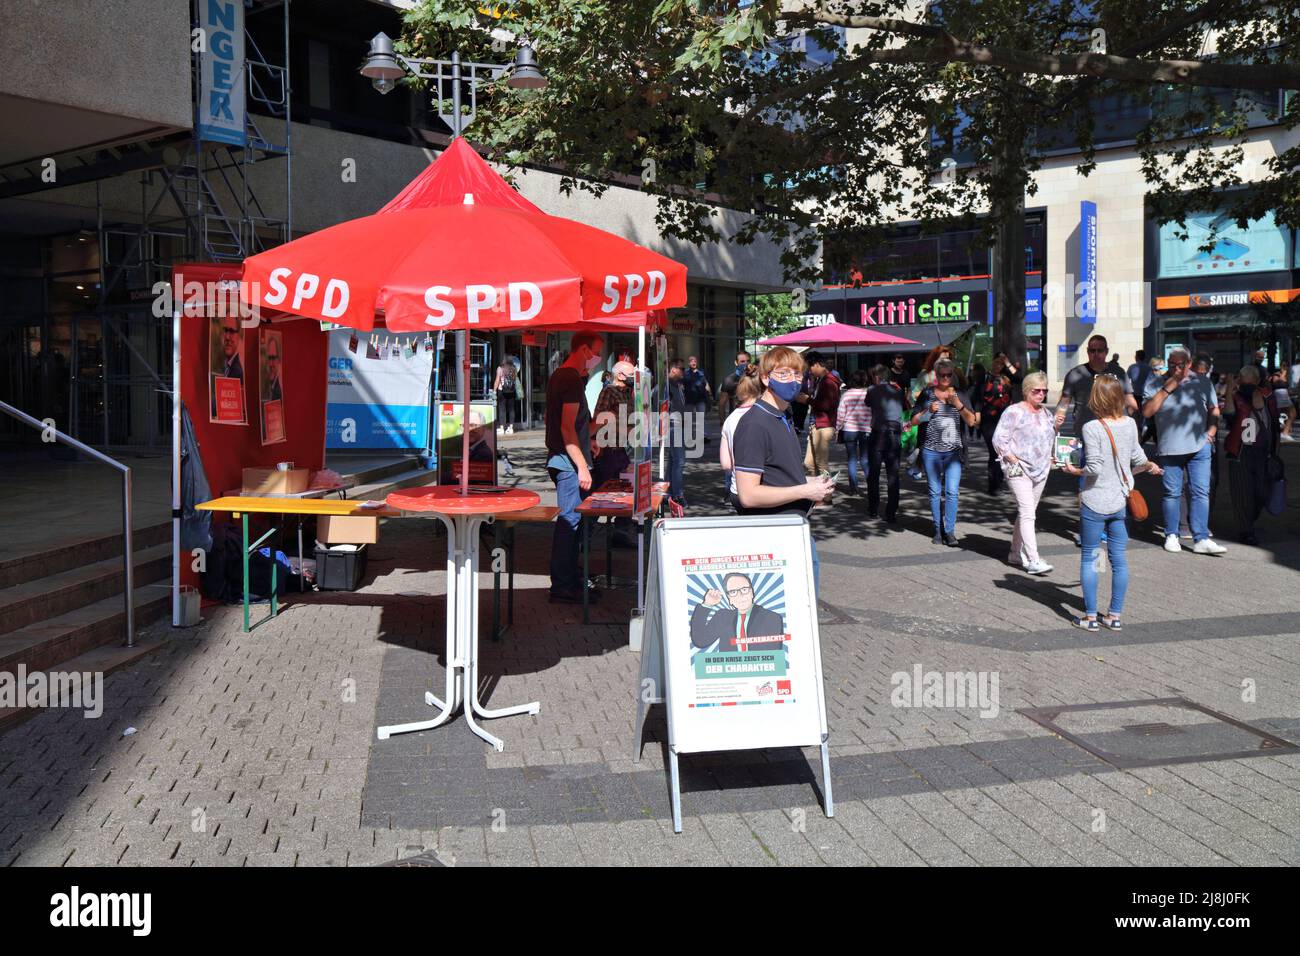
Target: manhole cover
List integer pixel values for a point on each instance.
(429, 858)
(1149, 730)
(1150, 733)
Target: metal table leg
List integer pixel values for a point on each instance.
(510, 571)
(586, 561)
(275, 602)
(470, 618)
(447, 706)
(609, 552)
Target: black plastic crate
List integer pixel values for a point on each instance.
(340, 570)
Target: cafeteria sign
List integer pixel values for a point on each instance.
(730, 643)
(948, 307)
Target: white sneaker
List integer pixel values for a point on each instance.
(1171, 544)
(510, 429)
(1038, 567)
(1287, 436)
(1208, 546)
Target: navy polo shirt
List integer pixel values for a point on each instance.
(766, 444)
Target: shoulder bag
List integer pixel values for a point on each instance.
(1137, 505)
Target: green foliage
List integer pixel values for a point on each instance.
(696, 100)
(768, 315)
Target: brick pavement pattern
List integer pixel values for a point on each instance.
(260, 749)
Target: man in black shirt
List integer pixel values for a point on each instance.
(767, 453)
(676, 433)
(884, 449)
(1078, 385)
(727, 391)
(898, 373)
(568, 449)
(1077, 388)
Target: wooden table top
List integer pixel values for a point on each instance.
(333, 507)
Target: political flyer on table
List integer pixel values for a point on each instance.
(737, 630)
(271, 354)
(482, 442)
(226, 370)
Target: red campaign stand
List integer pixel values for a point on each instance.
(201, 291)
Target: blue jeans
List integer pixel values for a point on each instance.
(1195, 470)
(943, 469)
(1115, 528)
(566, 573)
(676, 472)
(855, 443)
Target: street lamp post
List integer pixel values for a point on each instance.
(384, 67)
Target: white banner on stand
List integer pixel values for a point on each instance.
(731, 643)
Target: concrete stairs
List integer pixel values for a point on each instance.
(62, 609)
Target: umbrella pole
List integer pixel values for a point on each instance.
(462, 343)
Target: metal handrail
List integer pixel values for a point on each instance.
(126, 505)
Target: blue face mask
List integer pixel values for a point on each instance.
(786, 391)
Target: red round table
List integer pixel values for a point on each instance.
(463, 516)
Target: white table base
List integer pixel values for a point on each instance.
(462, 638)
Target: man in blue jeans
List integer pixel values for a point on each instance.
(677, 411)
(568, 450)
(1186, 411)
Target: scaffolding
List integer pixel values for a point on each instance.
(199, 204)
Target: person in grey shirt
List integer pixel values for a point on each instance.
(1186, 411)
(1113, 454)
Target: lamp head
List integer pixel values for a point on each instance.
(381, 66)
(525, 74)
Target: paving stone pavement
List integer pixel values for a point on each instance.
(260, 749)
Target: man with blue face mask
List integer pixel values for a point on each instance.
(568, 450)
(727, 391)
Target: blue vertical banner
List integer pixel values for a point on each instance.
(1087, 290)
(222, 83)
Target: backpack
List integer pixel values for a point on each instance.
(508, 377)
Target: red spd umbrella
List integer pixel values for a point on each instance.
(477, 260)
(459, 249)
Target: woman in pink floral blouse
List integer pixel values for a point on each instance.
(1024, 443)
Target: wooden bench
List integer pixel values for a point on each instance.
(538, 514)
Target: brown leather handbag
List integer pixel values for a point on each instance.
(1137, 505)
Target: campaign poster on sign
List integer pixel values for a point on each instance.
(742, 656)
(271, 352)
(737, 630)
(226, 370)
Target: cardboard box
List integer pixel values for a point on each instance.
(271, 481)
(347, 529)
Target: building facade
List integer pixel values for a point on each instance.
(1152, 286)
(129, 150)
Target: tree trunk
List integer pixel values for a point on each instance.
(1009, 257)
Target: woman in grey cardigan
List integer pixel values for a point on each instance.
(1103, 509)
